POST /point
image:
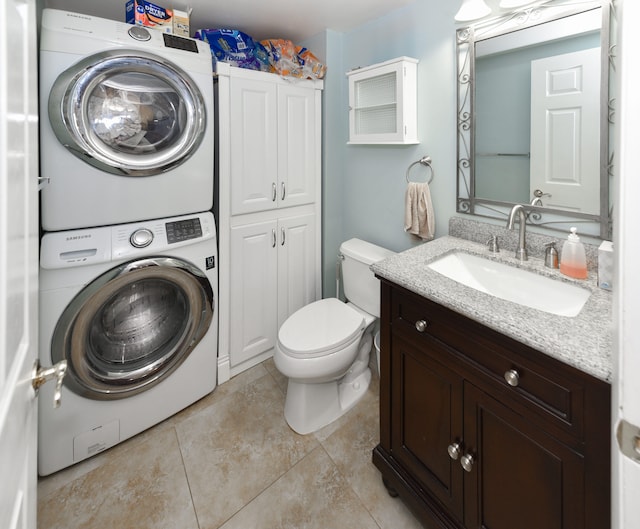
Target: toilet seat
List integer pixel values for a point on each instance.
(320, 328)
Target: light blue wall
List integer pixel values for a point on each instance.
(364, 186)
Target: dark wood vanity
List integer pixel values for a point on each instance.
(478, 430)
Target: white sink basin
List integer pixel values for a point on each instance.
(512, 284)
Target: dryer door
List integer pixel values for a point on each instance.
(128, 112)
(133, 326)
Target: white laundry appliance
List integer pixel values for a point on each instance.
(132, 308)
(127, 123)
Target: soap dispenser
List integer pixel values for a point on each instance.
(573, 260)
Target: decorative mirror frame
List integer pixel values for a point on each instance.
(466, 38)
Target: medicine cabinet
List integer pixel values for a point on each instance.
(383, 103)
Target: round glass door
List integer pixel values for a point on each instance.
(132, 327)
(128, 112)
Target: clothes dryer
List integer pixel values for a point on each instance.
(127, 122)
(132, 309)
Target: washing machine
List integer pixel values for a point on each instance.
(126, 122)
(132, 309)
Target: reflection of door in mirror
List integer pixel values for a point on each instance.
(510, 156)
(565, 130)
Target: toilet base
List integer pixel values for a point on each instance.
(309, 407)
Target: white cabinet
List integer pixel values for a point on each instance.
(273, 145)
(383, 103)
(272, 276)
(268, 209)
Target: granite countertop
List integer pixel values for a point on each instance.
(583, 341)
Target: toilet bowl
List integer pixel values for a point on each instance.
(324, 348)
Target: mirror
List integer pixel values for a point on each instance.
(534, 116)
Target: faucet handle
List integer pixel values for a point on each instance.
(492, 244)
(551, 255)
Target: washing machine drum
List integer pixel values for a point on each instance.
(128, 113)
(133, 326)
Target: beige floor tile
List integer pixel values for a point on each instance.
(350, 446)
(282, 381)
(312, 495)
(236, 448)
(143, 488)
(51, 484)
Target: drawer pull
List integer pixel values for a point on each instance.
(421, 325)
(467, 461)
(512, 377)
(454, 450)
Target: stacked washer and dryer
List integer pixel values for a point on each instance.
(128, 278)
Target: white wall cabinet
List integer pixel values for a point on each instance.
(268, 209)
(383, 103)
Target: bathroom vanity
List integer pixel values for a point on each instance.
(492, 415)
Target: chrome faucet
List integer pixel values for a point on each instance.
(518, 209)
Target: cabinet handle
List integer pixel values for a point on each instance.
(512, 377)
(273, 238)
(421, 325)
(467, 461)
(274, 192)
(454, 450)
(284, 190)
(283, 233)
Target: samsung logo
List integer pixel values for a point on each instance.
(78, 237)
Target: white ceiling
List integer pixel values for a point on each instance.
(289, 19)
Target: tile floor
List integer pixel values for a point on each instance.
(230, 461)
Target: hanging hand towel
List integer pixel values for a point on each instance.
(418, 216)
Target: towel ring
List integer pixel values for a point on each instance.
(426, 161)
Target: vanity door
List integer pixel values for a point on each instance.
(515, 474)
(427, 419)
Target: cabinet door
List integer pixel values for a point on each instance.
(297, 157)
(297, 272)
(520, 477)
(426, 416)
(254, 145)
(253, 290)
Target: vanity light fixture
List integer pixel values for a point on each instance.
(472, 10)
(511, 4)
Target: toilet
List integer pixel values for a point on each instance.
(324, 347)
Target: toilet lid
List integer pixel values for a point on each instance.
(320, 327)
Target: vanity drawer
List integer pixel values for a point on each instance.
(519, 376)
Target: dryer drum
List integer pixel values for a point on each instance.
(127, 112)
(132, 327)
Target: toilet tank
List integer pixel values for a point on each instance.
(361, 287)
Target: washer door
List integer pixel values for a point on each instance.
(127, 112)
(133, 326)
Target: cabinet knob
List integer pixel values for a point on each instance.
(454, 450)
(512, 377)
(421, 325)
(467, 461)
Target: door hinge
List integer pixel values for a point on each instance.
(628, 436)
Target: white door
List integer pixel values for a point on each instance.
(297, 271)
(565, 130)
(626, 390)
(18, 262)
(254, 145)
(296, 145)
(253, 288)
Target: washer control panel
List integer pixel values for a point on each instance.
(183, 230)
